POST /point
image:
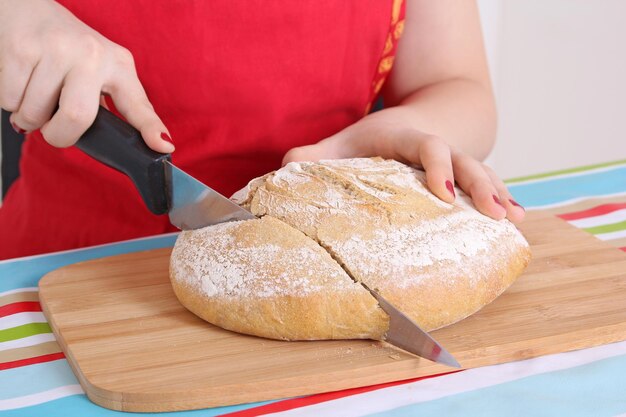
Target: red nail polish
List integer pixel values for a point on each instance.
(450, 188)
(496, 199)
(166, 137)
(18, 129)
(515, 203)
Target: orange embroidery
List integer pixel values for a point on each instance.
(385, 64)
(379, 85)
(398, 30)
(396, 26)
(388, 45)
(396, 9)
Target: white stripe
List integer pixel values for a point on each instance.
(611, 235)
(571, 201)
(26, 258)
(569, 175)
(40, 397)
(609, 218)
(472, 379)
(18, 319)
(15, 291)
(33, 340)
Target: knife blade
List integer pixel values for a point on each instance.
(163, 187)
(407, 335)
(195, 205)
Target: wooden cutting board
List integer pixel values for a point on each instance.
(133, 347)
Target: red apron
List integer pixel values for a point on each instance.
(237, 82)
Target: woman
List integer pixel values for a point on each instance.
(240, 86)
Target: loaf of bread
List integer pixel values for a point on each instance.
(323, 228)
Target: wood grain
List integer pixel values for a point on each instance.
(133, 347)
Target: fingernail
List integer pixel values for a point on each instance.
(450, 188)
(515, 203)
(166, 137)
(496, 199)
(18, 129)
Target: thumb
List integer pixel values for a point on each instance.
(329, 148)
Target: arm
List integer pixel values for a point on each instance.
(441, 76)
(440, 111)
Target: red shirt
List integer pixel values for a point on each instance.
(237, 82)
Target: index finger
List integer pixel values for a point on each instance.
(131, 101)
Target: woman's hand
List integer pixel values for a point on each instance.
(387, 134)
(48, 57)
(441, 109)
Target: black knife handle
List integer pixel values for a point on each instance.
(117, 144)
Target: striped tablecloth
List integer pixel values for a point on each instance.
(35, 379)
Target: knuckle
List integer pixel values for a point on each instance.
(432, 141)
(463, 162)
(435, 146)
(139, 102)
(502, 190)
(91, 47)
(478, 183)
(474, 165)
(25, 52)
(500, 186)
(473, 186)
(9, 101)
(489, 170)
(292, 155)
(149, 107)
(65, 46)
(142, 108)
(50, 138)
(78, 114)
(123, 57)
(493, 176)
(31, 117)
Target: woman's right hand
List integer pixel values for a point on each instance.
(48, 57)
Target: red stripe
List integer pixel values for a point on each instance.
(19, 307)
(624, 248)
(292, 403)
(594, 211)
(30, 361)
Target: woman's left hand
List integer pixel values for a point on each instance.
(388, 134)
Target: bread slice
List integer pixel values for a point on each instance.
(370, 220)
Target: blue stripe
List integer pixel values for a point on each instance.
(596, 389)
(551, 191)
(31, 379)
(80, 406)
(27, 272)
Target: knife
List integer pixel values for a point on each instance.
(191, 204)
(407, 335)
(164, 188)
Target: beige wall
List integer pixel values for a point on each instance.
(559, 69)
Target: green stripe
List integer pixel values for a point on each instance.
(565, 171)
(606, 228)
(24, 330)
